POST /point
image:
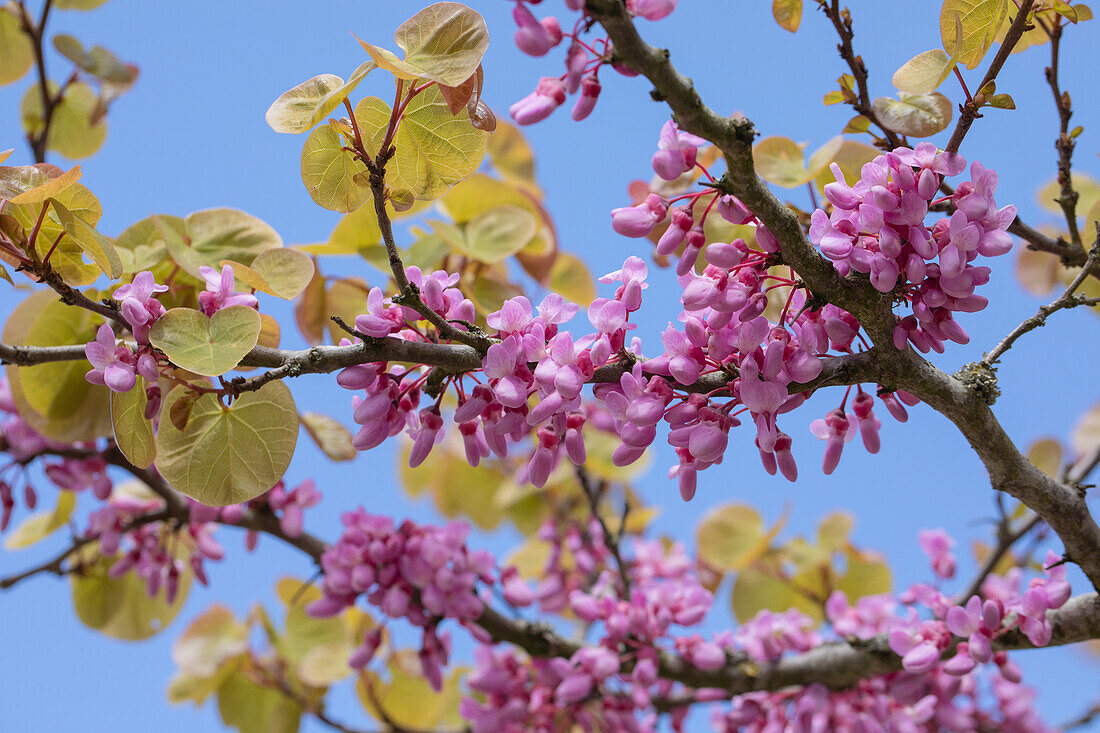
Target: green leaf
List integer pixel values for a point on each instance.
(924, 72)
(851, 158)
(74, 130)
(1086, 434)
(281, 272)
(141, 245)
(569, 277)
(94, 244)
(1002, 101)
(444, 43)
(407, 700)
(299, 109)
(330, 435)
(332, 174)
(120, 607)
(212, 235)
(731, 536)
(1046, 455)
(78, 4)
(55, 398)
(208, 346)
(133, 432)
(42, 524)
(16, 51)
(779, 160)
(435, 149)
(755, 590)
(867, 575)
(498, 233)
(250, 708)
(210, 640)
(833, 531)
(979, 20)
(229, 455)
(915, 115)
(51, 187)
(99, 62)
(787, 13)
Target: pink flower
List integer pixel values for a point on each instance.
(221, 291)
(535, 38)
(537, 106)
(676, 151)
(114, 365)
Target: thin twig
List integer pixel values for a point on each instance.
(1067, 198)
(611, 539)
(969, 111)
(1066, 300)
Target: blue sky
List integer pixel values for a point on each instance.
(191, 135)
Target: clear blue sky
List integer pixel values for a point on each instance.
(191, 135)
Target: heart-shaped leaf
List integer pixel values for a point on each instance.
(229, 455)
(299, 109)
(281, 272)
(444, 42)
(206, 346)
(133, 432)
(915, 115)
(331, 173)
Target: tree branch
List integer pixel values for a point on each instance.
(969, 111)
(1066, 300)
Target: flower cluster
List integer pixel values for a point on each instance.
(583, 59)
(877, 227)
(423, 574)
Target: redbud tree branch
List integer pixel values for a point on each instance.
(969, 110)
(1067, 197)
(964, 400)
(835, 664)
(36, 31)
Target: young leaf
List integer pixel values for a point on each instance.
(570, 277)
(121, 607)
(43, 524)
(787, 13)
(731, 536)
(16, 51)
(229, 455)
(50, 188)
(499, 233)
(443, 43)
(330, 435)
(299, 109)
(331, 174)
(73, 130)
(133, 432)
(915, 115)
(980, 20)
(435, 149)
(212, 638)
(84, 235)
(281, 272)
(207, 346)
(924, 72)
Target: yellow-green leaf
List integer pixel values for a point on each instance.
(74, 131)
(1086, 434)
(407, 700)
(444, 42)
(121, 607)
(867, 575)
(499, 233)
(924, 72)
(331, 174)
(251, 708)
(1046, 455)
(16, 51)
(435, 149)
(512, 157)
(78, 4)
(228, 455)
(780, 160)
(979, 20)
(94, 244)
(330, 435)
(207, 346)
(1037, 271)
(42, 524)
(50, 188)
(299, 109)
(133, 432)
(755, 590)
(55, 398)
(212, 638)
(281, 272)
(787, 13)
(1088, 195)
(731, 536)
(570, 277)
(833, 531)
(915, 115)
